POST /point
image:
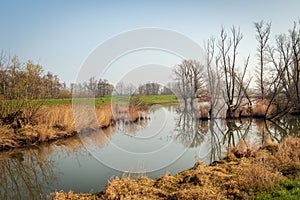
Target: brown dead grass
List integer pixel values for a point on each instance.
(29, 136)
(260, 109)
(60, 116)
(105, 115)
(55, 122)
(288, 156)
(231, 178)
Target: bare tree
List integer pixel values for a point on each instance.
(104, 88)
(295, 45)
(284, 83)
(119, 88)
(214, 79)
(234, 80)
(190, 80)
(279, 82)
(262, 36)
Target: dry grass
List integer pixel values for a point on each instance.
(105, 115)
(232, 178)
(288, 156)
(29, 136)
(260, 109)
(54, 122)
(60, 116)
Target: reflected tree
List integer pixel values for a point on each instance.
(189, 131)
(236, 131)
(215, 140)
(285, 127)
(25, 176)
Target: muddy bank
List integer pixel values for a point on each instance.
(30, 136)
(242, 174)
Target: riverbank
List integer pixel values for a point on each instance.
(57, 122)
(54, 120)
(270, 172)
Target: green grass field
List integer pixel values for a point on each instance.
(157, 99)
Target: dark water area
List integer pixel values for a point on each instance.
(171, 140)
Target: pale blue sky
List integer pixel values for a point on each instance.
(61, 34)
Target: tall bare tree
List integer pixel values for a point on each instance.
(262, 36)
(214, 79)
(284, 83)
(295, 45)
(234, 79)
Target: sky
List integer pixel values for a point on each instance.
(60, 35)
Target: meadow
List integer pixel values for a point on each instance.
(153, 99)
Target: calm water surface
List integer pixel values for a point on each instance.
(169, 141)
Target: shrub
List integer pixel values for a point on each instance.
(18, 113)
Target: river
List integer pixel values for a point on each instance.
(169, 140)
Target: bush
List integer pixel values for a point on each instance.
(17, 113)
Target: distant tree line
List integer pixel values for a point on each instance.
(150, 88)
(28, 80)
(92, 88)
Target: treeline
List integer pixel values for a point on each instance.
(102, 88)
(28, 81)
(150, 88)
(92, 88)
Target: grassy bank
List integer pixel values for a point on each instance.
(54, 122)
(270, 172)
(156, 99)
(40, 121)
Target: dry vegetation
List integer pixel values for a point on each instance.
(242, 174)
(54, 122)
(261, 109)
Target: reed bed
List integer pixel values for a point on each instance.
(54, 122)
(60, 116)
(259, 110)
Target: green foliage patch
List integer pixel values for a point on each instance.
(155, 99)
(287, 190)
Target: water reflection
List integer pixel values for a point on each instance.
(213, 136)
(25, 175)
(130, 127)
(65, 164)
(188, 130)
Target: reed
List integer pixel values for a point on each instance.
(60, 116)
(50, 123)
(260, 109)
